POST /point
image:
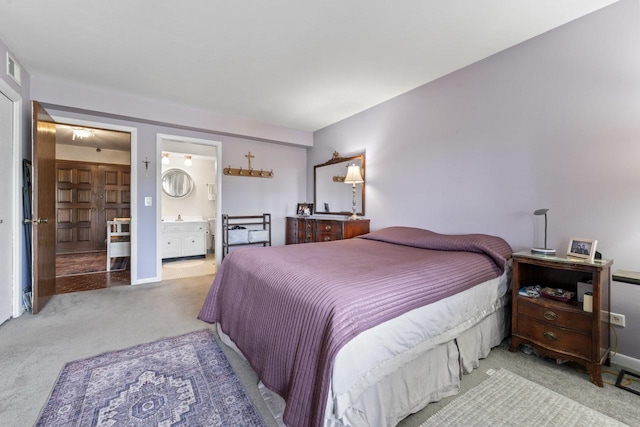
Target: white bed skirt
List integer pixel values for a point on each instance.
(408, 370)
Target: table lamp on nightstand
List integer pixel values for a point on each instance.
(543, 251)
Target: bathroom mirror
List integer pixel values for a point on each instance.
(331, 194)
(176, 183)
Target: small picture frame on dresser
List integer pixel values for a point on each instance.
(304, 209)
(582, 248)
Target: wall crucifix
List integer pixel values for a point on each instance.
(249, 156)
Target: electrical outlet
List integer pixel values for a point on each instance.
(617, 319)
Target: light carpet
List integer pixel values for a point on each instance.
(506, 399)
(185, 380)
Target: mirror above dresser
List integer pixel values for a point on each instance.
(331, 194)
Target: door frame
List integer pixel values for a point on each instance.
(17, 240)
(134, 179)
(160, 138)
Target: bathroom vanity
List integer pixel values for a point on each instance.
(183, 238)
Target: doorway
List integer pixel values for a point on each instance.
(93, 186)
(6, 209)
(187, 223)
(11, 227)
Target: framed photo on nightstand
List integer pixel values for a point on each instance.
(582, 248)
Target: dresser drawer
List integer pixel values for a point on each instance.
(554, 338)
(556, 316)
(328, 231)
(307, 231)
(313, 229)
(327, 237)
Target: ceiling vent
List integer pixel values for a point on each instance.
(13, 69)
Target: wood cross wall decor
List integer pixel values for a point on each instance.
(248, 172)
(249, 156)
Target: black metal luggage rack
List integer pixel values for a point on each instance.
(254, 225)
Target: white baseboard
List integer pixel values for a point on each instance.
(626, 362)
(148, 280)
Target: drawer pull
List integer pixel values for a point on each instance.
(308, 225)
(550, 315)
(326, 239)
(550, 336)
(327, 227)
(308, 236)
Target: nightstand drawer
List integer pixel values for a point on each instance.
(554, 338)
(556, 316)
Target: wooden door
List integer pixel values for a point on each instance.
(76, 207)
(114, 189)
(44, 229)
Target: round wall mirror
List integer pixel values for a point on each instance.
(176, 183)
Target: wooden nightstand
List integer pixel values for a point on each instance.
(562, 330)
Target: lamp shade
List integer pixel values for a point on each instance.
(353, 175)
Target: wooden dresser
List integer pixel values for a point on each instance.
(557, 329)
(317, 229)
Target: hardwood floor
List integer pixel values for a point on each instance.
(87, 271)
(88, 282)
(99, 280)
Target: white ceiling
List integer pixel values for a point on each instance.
(101, 138)
(301, 64)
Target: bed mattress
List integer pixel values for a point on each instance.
(291, 315)
(417, 351)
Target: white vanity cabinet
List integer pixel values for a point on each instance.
(183, 238)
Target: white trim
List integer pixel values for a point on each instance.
(626, 362)
(17, 69)
(147, 280)
(160, 138)
(16, 197)
(134, 182)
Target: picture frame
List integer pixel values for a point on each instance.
(304, 209)
(582, 248)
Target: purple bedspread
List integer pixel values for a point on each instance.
(289, 309)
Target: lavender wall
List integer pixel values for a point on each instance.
(552, 122)
(70, 94)
(240, 196)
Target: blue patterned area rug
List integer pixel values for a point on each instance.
(181, 381)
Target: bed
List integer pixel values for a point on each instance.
(363, 331)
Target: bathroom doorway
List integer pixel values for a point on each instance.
(189, 193)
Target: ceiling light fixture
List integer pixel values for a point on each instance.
(165, 158)
(82, 133)
(187, 161)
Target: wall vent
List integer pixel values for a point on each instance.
(13, 68)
